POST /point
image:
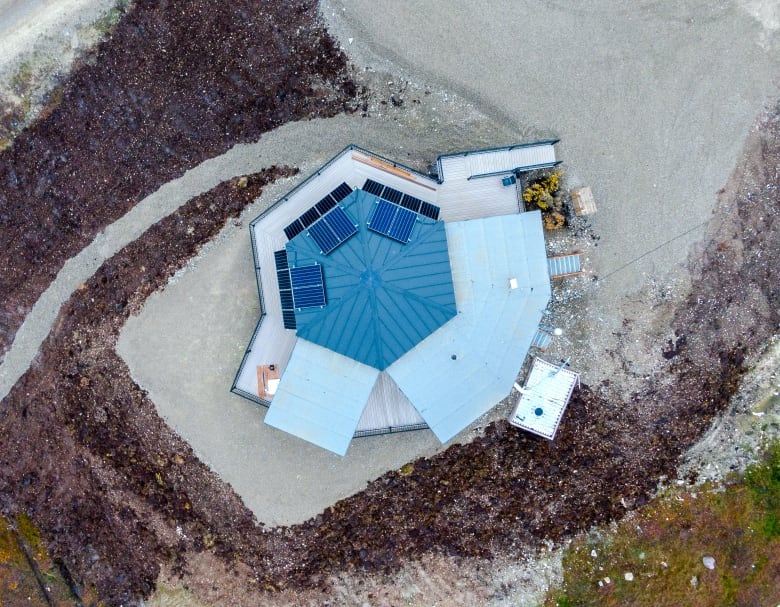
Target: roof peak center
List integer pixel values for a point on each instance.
(370, 279)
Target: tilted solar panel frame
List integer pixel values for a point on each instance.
(392, 220)
(332, 229)
(293, 229)
(314, 213)
(373, 187)
(341, 192)
(308, 287)
(285, 289)
(392, 195)
(430, 210)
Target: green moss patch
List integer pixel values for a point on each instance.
(718, 545)
(19, 583)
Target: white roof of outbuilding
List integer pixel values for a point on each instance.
(494, 161)
(546, 393)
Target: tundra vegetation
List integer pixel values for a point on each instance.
(715, 544)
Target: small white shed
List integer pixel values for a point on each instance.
(544, 398)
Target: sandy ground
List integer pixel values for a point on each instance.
(40, 39)
(652, 101)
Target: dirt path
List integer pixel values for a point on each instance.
(46, 28)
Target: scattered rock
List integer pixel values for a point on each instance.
(628, 576)
(709, 562)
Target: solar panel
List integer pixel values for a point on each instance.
(308, 288)
(403, 224)
(280, 258)
(283, 277)
(287, 299)
(392, 195)
(382, 219)
(429, 210)
(392, 221)
(405, 200)
(332, 229)
(340, 223)
(325, 205)
(310, 216)
(341, 192)
(285, 289)
(292, 230)
(372, 187)
(288, 318)
(313, 214)
(324, 237)
(411, 203)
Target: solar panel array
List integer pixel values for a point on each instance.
(332, 229)
(317, 211)
(430, 210)
(285, 289)
(392, 220)
(308, 287)
(405, 200)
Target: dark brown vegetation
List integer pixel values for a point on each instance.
(116, 492)
(85, 454)
(176, 83)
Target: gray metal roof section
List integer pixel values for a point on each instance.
(383, 296)
(321, 403)
(469, 364)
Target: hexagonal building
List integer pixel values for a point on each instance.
(392, 300)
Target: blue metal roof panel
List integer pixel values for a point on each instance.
(490, 336)
(382, 296)
(321, 396)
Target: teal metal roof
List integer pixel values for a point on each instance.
(382, 297)
(321, 396)
(470, 364)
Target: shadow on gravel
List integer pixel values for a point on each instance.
(176, 83)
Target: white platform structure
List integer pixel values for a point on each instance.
(381, 402)
(543, 399)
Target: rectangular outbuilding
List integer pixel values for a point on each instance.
(544, 398)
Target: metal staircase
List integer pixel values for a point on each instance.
(541, 340)
(565, 265)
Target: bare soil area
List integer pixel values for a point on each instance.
(175, 83)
